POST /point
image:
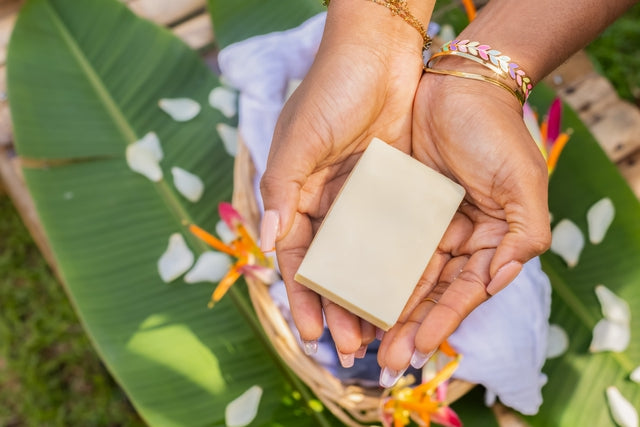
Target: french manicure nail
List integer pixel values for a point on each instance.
(503, 277)
(361, 352)
(269, 230)
(418, 359)
(310, 347)
(346, 360)
(388, 377)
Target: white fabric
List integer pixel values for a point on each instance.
(503, 341)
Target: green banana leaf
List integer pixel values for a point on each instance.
(84, 81)
(575, 393)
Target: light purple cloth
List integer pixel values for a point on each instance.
(503, 341)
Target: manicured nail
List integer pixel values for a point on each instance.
(361, 352)
(418, 359)
(388, 377)
(269, 230)
(310, 347)
(346, 360)
(379, 334)
(503, 277)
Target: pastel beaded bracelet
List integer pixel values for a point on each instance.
(490, 58)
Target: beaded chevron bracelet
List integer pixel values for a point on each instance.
(490, 58)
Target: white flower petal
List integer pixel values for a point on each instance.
(176, 259)
(143, 159)
(447, 33)
(557, 342)
(229, 136)
(224, 232)
(266, 275)
(188, 184)
(291, 87)
(599, 218)
(225, 100)
(622, 411)
(635, 375)
(241, 411)
(489, 398)
(613, 307)
(210, 267)
(567, 241)
(180, 109)
(151, 142)
(610, 336)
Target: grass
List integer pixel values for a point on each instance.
(616, 55)
(49, 373)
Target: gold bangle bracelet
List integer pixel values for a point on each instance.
(489, 65)
(478, 77)
(486, 56)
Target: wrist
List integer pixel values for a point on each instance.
(374, 23)
(456, 89)
(488, 64)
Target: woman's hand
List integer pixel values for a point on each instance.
(362, 84)
(472, 132)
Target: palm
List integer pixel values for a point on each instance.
(475, 135)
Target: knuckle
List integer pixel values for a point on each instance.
(471, 278)
(267, 182)
(541, 241)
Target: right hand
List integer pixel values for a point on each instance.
(472, 132)
(362, 84)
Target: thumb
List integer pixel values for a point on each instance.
(529, 235)
(288, 169)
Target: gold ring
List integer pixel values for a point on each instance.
(431, 299)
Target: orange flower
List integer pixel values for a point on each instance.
(550, 140)
(424, 403)
(250, 260)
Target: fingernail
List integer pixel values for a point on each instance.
(310, 347)
(269, 230)
(503, 277)
(361, 352)
(388, 377)
(379, 334)
(346, 360)
(418, 359)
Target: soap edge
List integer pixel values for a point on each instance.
(342, 303)
(457, 187)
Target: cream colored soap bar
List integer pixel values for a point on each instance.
(380, 234)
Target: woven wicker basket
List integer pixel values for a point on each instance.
(354, 405)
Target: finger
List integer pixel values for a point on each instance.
(345, 331)
(397, 350)
(306, 308)
(483, 231)
(368, 334)
(456, 234)
(288, 168)
(465, 293)
(425, 284)
(529, 235)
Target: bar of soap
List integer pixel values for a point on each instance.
(380, 233)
